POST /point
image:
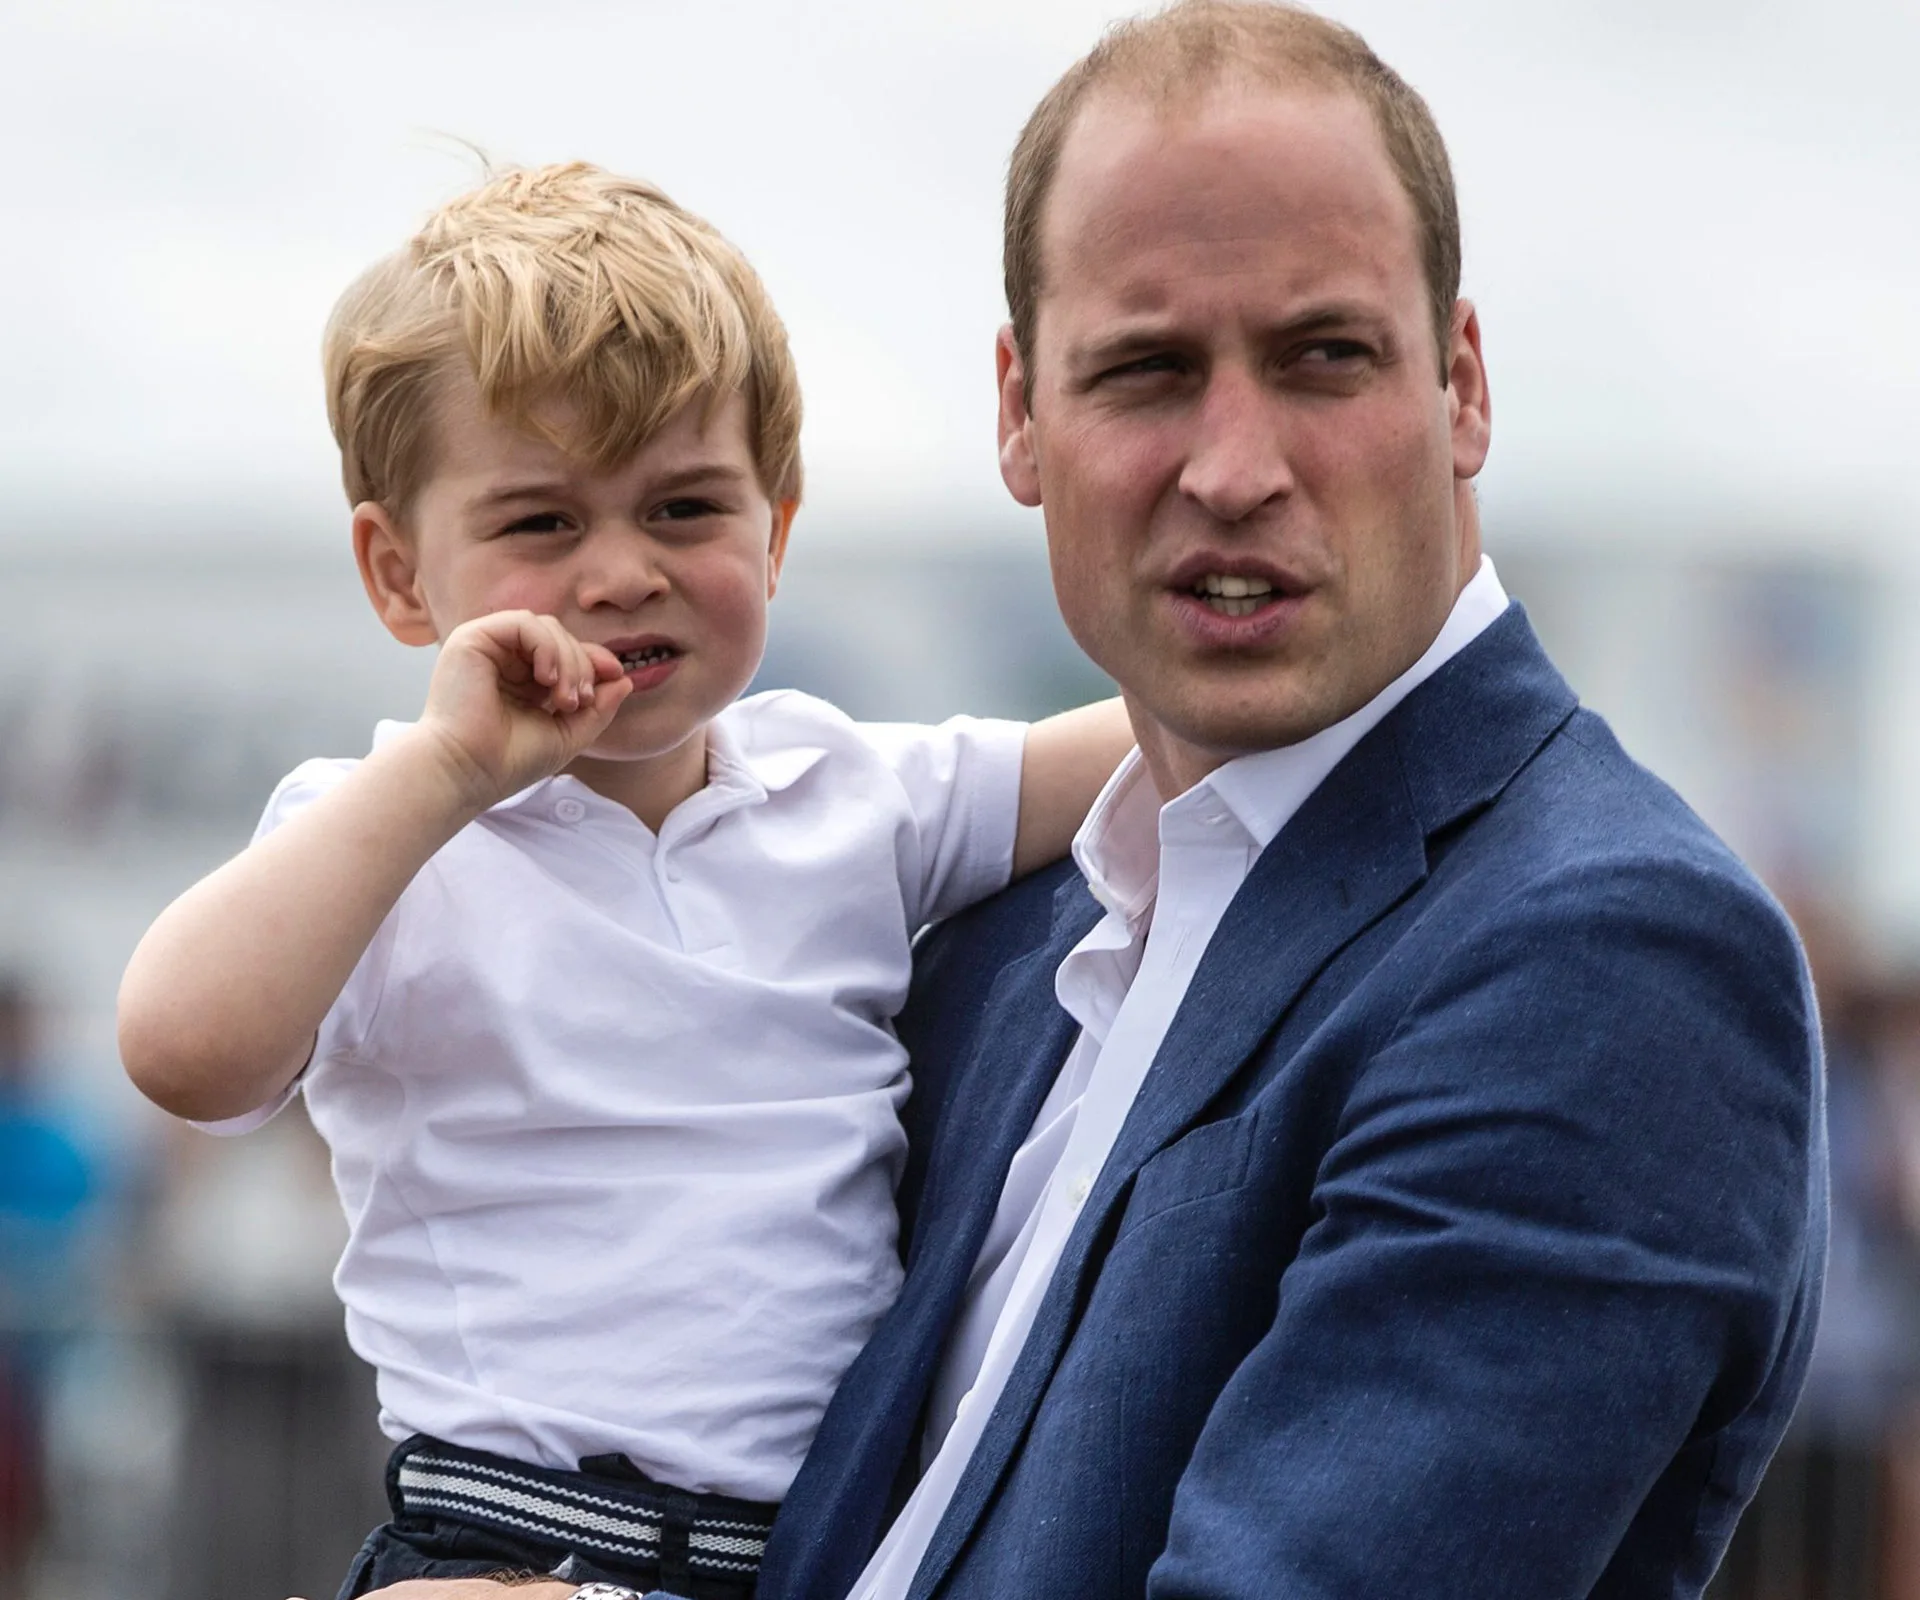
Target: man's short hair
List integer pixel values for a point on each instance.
(564, 292)
(1175, 55)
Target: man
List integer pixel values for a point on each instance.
(1402, 1174)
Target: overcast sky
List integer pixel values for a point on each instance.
(1693, 228)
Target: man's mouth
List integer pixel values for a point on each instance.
(1231, 596)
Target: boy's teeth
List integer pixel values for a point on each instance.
(644, 658)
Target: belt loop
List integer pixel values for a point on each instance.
(403, 1452)
(676, 1534)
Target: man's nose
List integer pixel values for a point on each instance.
(620, 568)
(1237, 457)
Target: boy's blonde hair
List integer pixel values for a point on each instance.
(560, 289)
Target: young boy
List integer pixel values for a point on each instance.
(586, 975)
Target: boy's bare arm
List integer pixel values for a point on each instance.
(224, 996)
(1067, 761)
(474, 1589)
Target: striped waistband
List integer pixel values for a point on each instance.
(635, 1523)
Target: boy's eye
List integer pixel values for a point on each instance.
(538, 522)
(684, 509)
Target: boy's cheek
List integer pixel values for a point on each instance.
(744, 625)
(521, 592)
(730, 598)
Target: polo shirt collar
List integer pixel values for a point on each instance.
(736, 778)
(767, 771)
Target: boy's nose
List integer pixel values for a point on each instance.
(621, 573)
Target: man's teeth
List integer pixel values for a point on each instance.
(631, 659)
(1233, 597)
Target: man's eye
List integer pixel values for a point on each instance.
(1146, 367)
(1333, 353)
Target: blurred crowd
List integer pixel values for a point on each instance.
(51, 1282)
(179, 1415)
(1839, 1516)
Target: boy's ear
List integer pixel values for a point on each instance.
(391, 573)
(783, 511)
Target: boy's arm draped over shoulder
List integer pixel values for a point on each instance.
(1068, 760)
(992, 800)
(474, 1589)
(225, 994)
(1559, 1240)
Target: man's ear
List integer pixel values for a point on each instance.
(1469, 404)
(1019, 467)
(391, 573)
(783, 511)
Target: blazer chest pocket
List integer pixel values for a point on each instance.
(1211, 1160)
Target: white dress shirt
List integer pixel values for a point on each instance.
(1172, 868)
(614, 1116)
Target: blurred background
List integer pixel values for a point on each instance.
(1693, 230)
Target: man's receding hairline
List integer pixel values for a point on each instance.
(1185, 54)
(1187, 101)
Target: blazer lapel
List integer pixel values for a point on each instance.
(1355, 849)
(1020, 1049)
(1015, 1060)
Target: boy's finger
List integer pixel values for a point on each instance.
(580, 668)
(534, 641)
(606, 665)
(546, 670)
(607, 696)
(560, 649)
(597, 709)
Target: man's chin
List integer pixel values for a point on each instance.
(1182, 749)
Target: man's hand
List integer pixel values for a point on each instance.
(515, 697)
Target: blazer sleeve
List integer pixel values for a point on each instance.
(1567, 1239)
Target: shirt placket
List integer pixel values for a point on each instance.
(1140, 1022)
(702, 934)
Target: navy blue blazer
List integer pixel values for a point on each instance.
(1465, 1238)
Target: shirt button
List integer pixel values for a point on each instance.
(568, 809)
(1080, 1188)
(960, 1410)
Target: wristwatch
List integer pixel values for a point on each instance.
(604, 1591)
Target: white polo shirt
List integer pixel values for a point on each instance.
(614, 1117)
